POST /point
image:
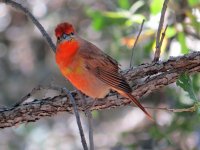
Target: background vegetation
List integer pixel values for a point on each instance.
(26, 62)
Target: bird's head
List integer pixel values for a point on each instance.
(64, 32)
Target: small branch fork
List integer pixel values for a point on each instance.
(158, 40)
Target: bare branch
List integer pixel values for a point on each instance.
(158, 43)
(161, 74)
(177, 110)
(141, 27)
(90, 126)
(163, 36)
(78, 120)
(173, 64)
(89, 116)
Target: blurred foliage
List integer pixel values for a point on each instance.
(156, 6)
(26, 62)
(185, 83)
(182, 41)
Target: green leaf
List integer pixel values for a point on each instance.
(104, 19)
(185, 83)
(98, 20)
(170, 32)
(156, 6)
(113, 14)
(193, 2)
(182, 41)
(101, 20)
(196, 82)
(136, 18)
(125, 4)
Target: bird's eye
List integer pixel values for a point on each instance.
(64, 36)
(58, 38)
(72, 33)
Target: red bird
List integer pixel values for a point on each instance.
(88, 68)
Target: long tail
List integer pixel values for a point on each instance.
(136, 102)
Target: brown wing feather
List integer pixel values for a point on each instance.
(113, 79)
(92, 53)
(103, 66)
(107, 70)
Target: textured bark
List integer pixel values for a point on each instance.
(150, 77)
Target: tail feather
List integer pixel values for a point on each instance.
(136, 102)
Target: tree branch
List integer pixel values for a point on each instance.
(158, 41)
(90, 124)
(158, 75)
(78, 120)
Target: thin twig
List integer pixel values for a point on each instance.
(163, 36)
(83, 141)
(157, 52)
(175, 110)
(34, 20)
(90, 125)
(136, 42)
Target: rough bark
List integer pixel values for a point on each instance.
(150, 77)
